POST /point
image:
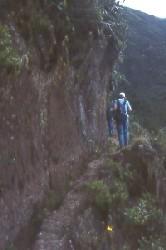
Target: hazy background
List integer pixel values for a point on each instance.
(152, 7)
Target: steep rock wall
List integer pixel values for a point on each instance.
(50, 122)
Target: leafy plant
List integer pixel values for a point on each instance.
(138, 133)
(145, 212)
(9, 58)
(100, 195)
(105, 197)
(119, 193)
(119, 172)
(112, 165)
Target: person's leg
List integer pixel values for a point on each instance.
(120, 134)
(125, 131)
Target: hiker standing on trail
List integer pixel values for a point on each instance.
(121, 109)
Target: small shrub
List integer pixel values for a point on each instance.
(123, 173)
(100, 195)
(144, 213)
(9, 58)
(112, 165)
(138, 133)
(105, 198)
(119, 193)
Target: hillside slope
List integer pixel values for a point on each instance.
(144, 66)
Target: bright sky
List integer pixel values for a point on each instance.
(152, 7)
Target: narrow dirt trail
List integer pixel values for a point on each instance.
(54, 232)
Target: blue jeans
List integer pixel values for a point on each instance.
(122, 128)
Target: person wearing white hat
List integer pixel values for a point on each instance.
(122, 108)
(122, 95)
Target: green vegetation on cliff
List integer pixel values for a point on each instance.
(129, 198)
(67, 28)
(9, 58)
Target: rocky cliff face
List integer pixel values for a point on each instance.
(52, 108)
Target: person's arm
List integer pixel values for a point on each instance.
(129, 106)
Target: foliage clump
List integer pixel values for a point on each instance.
(9, 58)
(138, 133)
(70, 28)
(106, 197)
(145, 212)
(126, 200)
(100, 195)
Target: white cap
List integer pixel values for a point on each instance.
(122, 95)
